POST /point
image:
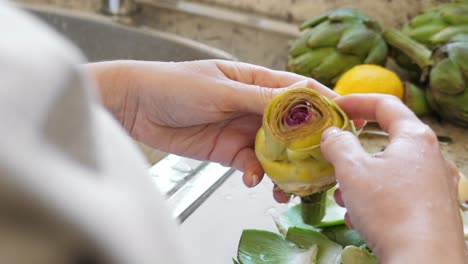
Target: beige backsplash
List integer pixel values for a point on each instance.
(388, 12)
(250, 44)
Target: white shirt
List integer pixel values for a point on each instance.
(73, 186)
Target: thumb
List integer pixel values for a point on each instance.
(342, 149)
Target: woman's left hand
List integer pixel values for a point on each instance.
(206, 110)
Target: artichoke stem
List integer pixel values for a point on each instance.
(313, 207)
(414, 50)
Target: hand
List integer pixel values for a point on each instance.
(207, 110)
(403, 200)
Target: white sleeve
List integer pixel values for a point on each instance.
(73, 187)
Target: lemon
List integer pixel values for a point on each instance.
(369, 78)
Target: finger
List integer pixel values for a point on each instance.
(247, 161)
(453, 171)
(359, 123)
(255, 98)
(338, 197)
(348, 221)
(279, 195)
(342, 149)
(261, 76)
(391, 114)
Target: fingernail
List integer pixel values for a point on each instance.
(255, 180)
(359, 123)
(330, 131)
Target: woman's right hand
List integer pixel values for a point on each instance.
(403, 200)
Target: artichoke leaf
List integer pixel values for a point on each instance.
(258, 246)
(356, 255)
(328, 251)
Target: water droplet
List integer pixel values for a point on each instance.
(182, 167)
(154, 173)
(271, 211)
(176, 177)
(227, 197)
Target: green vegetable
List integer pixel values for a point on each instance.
(288, 146)
(433, 27)
(356, 255)
(447, 92)
(438, 24)
(445, 71)
(343, 235)
(301, 243)
(257, 246)
(415, 98)
(293, 216)
(328, 251)
(334, 42)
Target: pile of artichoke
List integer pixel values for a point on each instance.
(435, 45)
(432, 47)
(334, 42)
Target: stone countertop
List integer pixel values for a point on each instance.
(456, 149)
(263, 48)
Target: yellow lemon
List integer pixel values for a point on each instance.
(369, 78)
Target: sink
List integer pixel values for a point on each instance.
(102, 39)
(187, 183)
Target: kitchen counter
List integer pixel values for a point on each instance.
(219, 221)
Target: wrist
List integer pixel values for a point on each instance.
(117, 90)
(427, 237)
(429, 250)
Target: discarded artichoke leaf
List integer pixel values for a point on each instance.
(343, 235)
(328, 251)
(356, 255)
(258, 246)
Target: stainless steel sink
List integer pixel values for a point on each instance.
(186, 183)
(101, 39)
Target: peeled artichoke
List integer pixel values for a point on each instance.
(288, 146)
(335, 42)
(445, 71)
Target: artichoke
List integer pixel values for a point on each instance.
(445, 72)
(434, 26)
(447, 92)
(437, 25)
(335, 42)
(288, 146)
